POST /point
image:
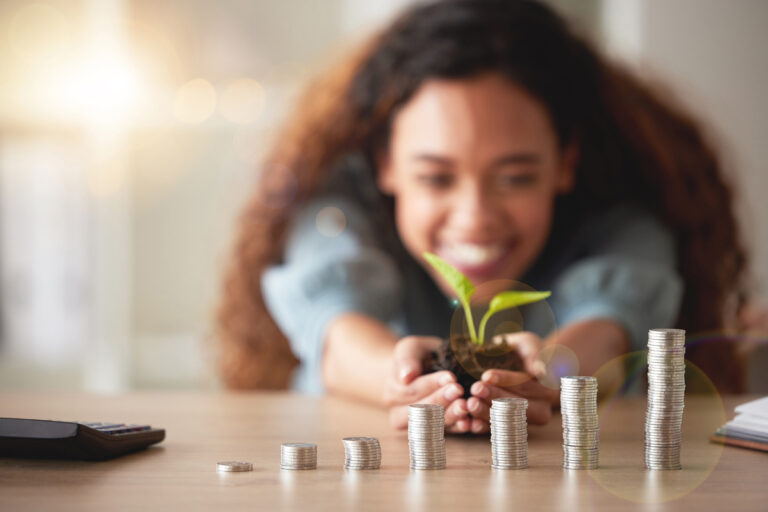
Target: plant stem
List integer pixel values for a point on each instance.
(484, 321)
(470, 323)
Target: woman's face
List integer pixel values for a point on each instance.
(474, 167)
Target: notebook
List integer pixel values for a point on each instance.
(749, 428)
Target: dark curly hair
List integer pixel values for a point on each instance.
(636, 145)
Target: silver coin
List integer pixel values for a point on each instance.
(517, 426)
(426, 448)
(509, 456)
(233, 466)
(299, 446)
(426, 452)
(510, 402)
(288, 455)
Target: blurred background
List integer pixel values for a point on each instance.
(130, 132)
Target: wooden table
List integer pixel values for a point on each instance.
(205, 428)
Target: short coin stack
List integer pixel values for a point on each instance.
(666, 398)
(362, 453)
(509, 433)
(234, 466)
(298, 456)
(426, 436)
(578, 405)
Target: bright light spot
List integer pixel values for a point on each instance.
(331, 221)
(242, 101)
(195, 101)
(104, 89)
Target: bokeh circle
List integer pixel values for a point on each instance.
(622, 470)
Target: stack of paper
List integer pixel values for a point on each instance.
(749, 428)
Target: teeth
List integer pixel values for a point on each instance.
(473, 254)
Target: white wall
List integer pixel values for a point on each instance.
(713, 52)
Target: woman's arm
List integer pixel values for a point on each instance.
(594, 341)
(357, 357)
(363, 359)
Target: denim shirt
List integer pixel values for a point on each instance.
(619, 264)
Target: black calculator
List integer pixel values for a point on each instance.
(46, 439)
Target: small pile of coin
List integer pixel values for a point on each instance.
(234, 466)
(578, 405)
(298, 456)
(426, 436)
(509, 433)
(666, 398)
(361, 453)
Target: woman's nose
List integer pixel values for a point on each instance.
(474, 210)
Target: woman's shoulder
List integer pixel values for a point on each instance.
(630, 230)
(624, 231)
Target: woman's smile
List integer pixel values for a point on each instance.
(480, 262)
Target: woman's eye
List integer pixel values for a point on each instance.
(436, 180)
(516, 180)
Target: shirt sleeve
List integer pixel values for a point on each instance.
(330, 267)
(629, 275)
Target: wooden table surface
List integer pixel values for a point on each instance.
(203, 428)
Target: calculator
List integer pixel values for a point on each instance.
(46, 439)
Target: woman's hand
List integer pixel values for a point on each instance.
(505, 383)
(406, 385)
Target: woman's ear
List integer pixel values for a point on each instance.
(569, 160)
(384, 171)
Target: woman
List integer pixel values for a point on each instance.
(490, 134)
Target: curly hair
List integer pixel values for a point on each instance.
(636, 145)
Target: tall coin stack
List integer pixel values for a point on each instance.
(362, 453)
(509, 433)
(578, 406)
(426, 436)
(298, 456)
(666, 398)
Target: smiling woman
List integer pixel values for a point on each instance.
(488, 133)
(475, 166)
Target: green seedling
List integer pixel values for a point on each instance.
(464, 290)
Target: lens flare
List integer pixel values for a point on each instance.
(560, 361)
(622, 469)
(331, 221)
(195, 101)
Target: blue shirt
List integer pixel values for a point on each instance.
(617, 263)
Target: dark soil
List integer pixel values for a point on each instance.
(468, 361)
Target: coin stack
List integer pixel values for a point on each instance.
(298, 456)
(509, 433)
(578, 405)
(666, 398)
(362, 453)
(234, 466)
(426, 436)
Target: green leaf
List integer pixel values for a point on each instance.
(513, 299)
(507, 300)
(460, 284)
(453, 276)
